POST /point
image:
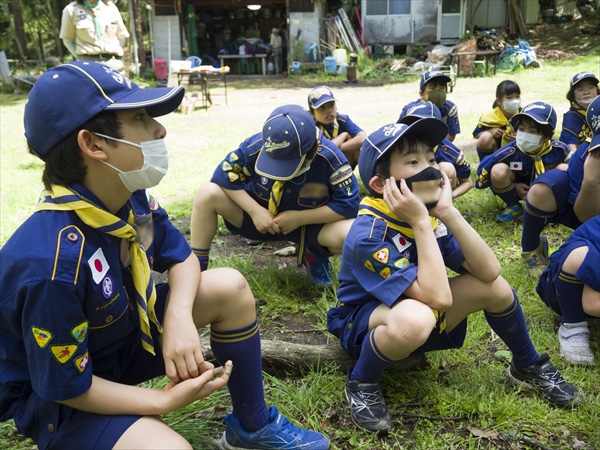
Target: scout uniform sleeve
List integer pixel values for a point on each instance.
(576, 171)
(504, 154)
(236, 171)
(343, 185)
(346, 124)
(448, 152)
(574, 128)
(450, 110)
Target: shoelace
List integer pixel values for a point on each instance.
(369, 399)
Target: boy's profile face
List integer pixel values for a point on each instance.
(326, 113)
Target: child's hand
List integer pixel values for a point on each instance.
(402, 202)
(445, 204)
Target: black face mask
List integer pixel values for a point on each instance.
(424, 186)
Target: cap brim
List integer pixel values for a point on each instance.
(156, 101)
(517, 116)
(432, 130)
(322, 102)
(595, 144)
(277, 169)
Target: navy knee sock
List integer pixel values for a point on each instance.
(534, 222)
(569, 291)
(245, 385)
(508, 194)
(511, 327)
(371, 362)
(482, 153)
(202, 255)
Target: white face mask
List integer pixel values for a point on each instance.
(511, 106)
(585, 102)
(529, 143)
(156, 163)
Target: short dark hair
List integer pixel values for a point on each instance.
(410, 143)
(506, 87)
(64, 163)
(571, 93)
(543, 129)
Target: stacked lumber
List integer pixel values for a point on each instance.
(516, 23)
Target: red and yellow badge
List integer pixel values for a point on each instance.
(79, 332)
(369, 266)
(42, 337)
(82, 362)
(385, 273)
(382, 255)
(63, 353)
(233, 177)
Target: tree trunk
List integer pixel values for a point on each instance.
(139, 37)
(20, 36)
(289, 355)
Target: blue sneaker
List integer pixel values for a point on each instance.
(510, 213)
(279, 433)
(318, 267)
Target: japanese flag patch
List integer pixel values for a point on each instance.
(516, 165)
(98, 265)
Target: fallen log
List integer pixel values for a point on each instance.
(290, 355)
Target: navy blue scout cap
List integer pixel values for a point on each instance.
(67, 96)
(288, 135)
(593, 120)
(382, 140)
(430, 75)
(541, 112)
(320, 95)
(583, 76)
(419, 110)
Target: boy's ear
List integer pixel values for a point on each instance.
(376, 184)
(91, 145)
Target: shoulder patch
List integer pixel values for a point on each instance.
(369, 265)
(81, 362)
(63, 353)
(382, 255)
(79, 332)
(341, 174)
(152, 202)
(42, 337)
(385, 273)
(402, 263)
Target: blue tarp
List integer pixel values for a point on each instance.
(523, 49)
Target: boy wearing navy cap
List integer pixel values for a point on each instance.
(583, 89)
(450, 158)
(287, 183)
(405, 235)
(434, 87)
(82, 320)
(568, 197)
(336, 127)
(511, 169)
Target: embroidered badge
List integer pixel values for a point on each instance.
(42, 337)
(233, 157)
(233, 177)
(516, 165)
(152, 202)
(81, 362)
(98, 265)
(79, 332)
(382, 255)
(401, 242)
(385, 273)
(226, 167)
(237, 168)
(369, 266)
(343, 173)
(246, 171)
(402, 263)
(107, 286)
(440, 230)
(63, 353)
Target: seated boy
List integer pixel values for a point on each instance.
(511, 169)
(450, 158)
(82, 321)
(570, 286)
(338, 128)
(569, 198)
(287, 183)
(395, 297)
(434, 88)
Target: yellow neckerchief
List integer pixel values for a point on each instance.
(493, 119)
(577, 107)
(537, 158)
(59, 198)
(275, 197)
(336, 130)
(377, 207)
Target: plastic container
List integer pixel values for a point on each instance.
(160, 68)
(351, 73)
(296, 66)
(330, 64)
(342, 68)
(340, 55)
(270, 68)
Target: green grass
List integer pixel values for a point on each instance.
(442, 407)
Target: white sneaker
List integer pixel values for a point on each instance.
(574, 339)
